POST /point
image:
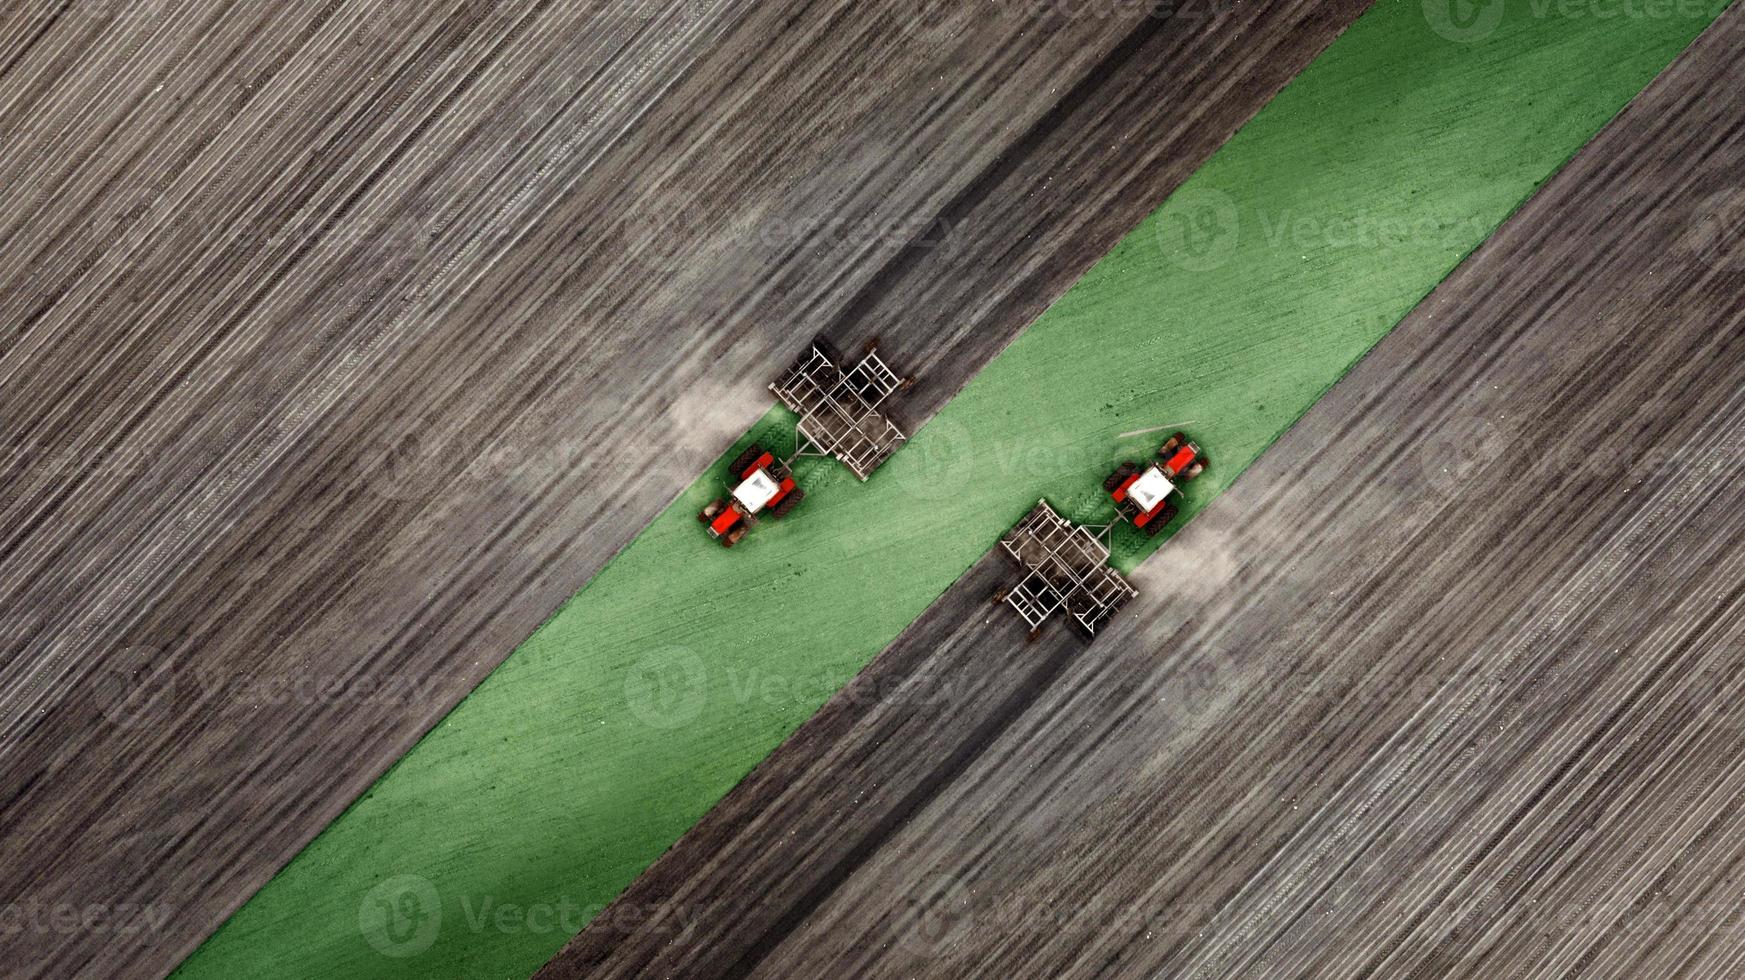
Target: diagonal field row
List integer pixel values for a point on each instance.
(349, 339)
(680, 666)
(1446, 685)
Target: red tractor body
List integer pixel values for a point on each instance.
(761, 484)
(1146, 495)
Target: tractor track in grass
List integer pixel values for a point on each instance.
(1481, 728)
(311, 301)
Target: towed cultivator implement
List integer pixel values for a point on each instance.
(1066, 569)
(1066, 565)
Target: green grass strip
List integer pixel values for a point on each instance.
(617, 725)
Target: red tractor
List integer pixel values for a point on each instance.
(762, 484)
(1145, 496)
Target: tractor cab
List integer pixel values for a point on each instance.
(1149, 490)
(757, 490)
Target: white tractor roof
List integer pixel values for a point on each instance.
(1151, 489)
(757, 491)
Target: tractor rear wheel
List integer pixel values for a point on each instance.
(744, 459)
(787, 504)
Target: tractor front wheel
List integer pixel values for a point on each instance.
(1172, 445)
(733, 537)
